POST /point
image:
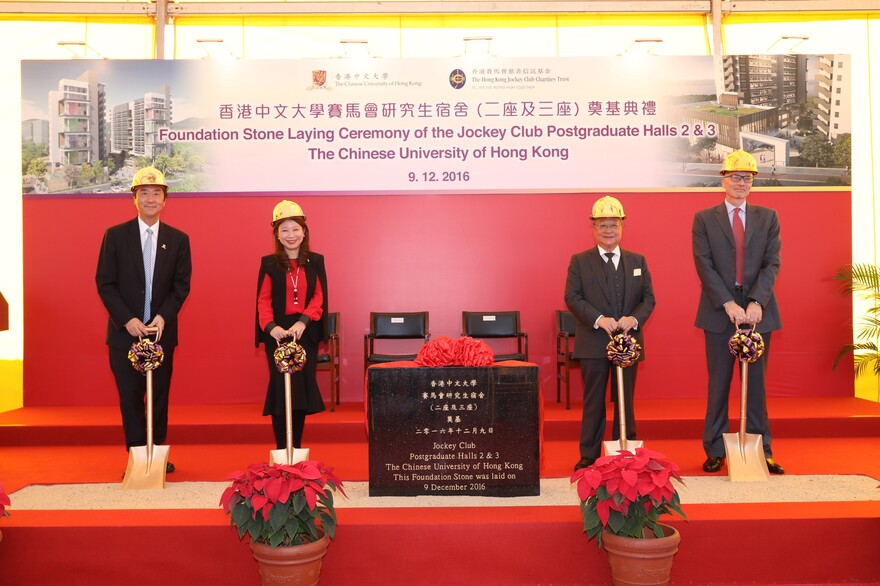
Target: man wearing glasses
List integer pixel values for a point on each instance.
(609, 291)
(736, 253)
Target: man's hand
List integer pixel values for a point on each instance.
(736, 313)
(754, 313)
(609, 324)
(626, 323)
(136, 328)
(158, 323)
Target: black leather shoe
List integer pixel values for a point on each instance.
(773, 467)
(583, 463)
(713, 464)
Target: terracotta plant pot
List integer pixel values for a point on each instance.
(641, 562)
(293, 564)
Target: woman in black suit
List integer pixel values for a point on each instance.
(291, 303)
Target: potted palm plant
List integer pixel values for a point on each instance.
(622, 498)
(287, 513)
(864, 279)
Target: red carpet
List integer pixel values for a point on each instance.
(788, 543)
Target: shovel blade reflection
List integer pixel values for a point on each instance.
(145, 470)
(614, 447)
(280, 456)
(745, 459)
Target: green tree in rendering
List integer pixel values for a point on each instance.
(37, 168)
(842, 150)
(816, 150)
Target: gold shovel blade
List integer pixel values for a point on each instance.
(143, 471)
(614, 447)
(280, 456)
(745, 460)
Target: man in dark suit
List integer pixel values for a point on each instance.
(609, 291)
(736, 252)
(143, 278)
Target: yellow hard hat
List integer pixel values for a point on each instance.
(739, 161)
(287, 209)
(607, 207)
(148, 176)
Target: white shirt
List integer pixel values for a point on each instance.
(615, 259)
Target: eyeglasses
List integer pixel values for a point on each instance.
(740, 178)
(608, 225)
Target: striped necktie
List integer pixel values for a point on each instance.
(148, 273)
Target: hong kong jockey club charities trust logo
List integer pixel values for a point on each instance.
(457, 79)
(319, 78)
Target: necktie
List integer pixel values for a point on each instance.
(148, 273)
(610, 261)
(739, 238)
(609, 270)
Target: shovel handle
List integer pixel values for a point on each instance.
(151, 330)
(288, 417)
(744, 398)
(621, 409)
(149, 402)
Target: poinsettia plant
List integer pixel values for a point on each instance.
(626, 493)
(4, 502)
(283, 504)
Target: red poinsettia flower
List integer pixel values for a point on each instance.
(625, 494)
(268, 502)
(4, 502)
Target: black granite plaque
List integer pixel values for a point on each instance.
(454, 431)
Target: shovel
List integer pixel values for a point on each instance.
(612, 447)
(146, 464)
(289, 455)
(745, 451)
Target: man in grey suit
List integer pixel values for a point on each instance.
(608, 290)
(143, 278)
(736, 251)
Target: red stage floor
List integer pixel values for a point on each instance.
(75, 444)
(782, 543)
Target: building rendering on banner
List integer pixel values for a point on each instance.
(76, 121)
(136, 124)
(733, 119)
(835, 115)
(35, 130)
(770, 81)
(769, 101)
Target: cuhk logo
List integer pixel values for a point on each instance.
(457, 79)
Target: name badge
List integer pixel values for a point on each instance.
(637, 272)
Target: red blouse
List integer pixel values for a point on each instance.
(313, 311)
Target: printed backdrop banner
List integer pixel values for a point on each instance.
(379, 125)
